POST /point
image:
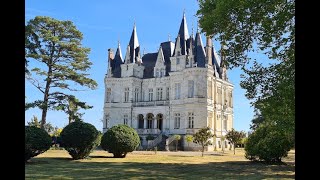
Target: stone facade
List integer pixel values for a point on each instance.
(178, 90)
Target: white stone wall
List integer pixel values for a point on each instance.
(201, 104)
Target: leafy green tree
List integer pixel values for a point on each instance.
(62, 62)
(268, 143)
(189, 139)
(235, 138)
(263, 26)
(202, 137)
(37, 141)
(119, 140)
(177, 137)
(79, 139)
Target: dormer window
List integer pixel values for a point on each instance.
(179, 53)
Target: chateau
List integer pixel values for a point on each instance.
(178, 90)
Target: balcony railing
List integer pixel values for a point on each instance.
(148, 131)
(150, 103)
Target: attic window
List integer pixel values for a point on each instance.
(179, 53)
(178, 61)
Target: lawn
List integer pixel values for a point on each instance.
(57, 164)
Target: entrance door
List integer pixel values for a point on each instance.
(159, 121)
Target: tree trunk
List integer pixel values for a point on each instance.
(202, 150)
(46, 99)
(234, 149)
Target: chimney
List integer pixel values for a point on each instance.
(209, 51)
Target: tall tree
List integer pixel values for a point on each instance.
(267, 27)
(235, 138)
(202, 137)
(56, 47)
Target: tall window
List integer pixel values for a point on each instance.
(177, 120)
(219, 95)
(126, 95)
(159, 94)
(190, 88)
(209, 90)
(108, 98)
(177, 90)
(107, 120)
(225, 122)
(191, 120)
(150, 94)
(136, 94)
(149, 121)
(125, 119)
(140, 121)
(178, 59)
(210, 119)
(167, 95)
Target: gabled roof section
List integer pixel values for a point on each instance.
(160, 57)
(199, 52)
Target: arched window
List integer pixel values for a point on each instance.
(149, 120)
(140, 121)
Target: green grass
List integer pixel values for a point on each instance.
(57, 164)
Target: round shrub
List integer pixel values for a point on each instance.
(267, 144)
(78, 138)
(37, 141)
(120, 140)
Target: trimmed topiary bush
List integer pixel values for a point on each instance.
(120, 140)
(79, 139)
(37, 141)
(267, 144)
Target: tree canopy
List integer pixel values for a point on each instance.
(57, 62)
(202, 137)
(235, 137)
(266, 27)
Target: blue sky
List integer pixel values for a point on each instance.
(103, 23)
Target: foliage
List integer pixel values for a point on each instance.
(35, 122)
(98, 140)
(37, 141)
(189, 139)
(268, 143)
(235, 137)
(57, 131)
(120, 140)
(78, 138)
(267, 27)
(257, 120)
(202, 137)
(59, 59)
(176, 137)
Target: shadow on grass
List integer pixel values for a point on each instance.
(62, 169)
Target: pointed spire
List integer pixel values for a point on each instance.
(169, 37)
(134, 45)
(184, 34)
(199, 54)
(118, 52)
(177, 47)
(127, 58)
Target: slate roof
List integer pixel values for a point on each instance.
(149, 61)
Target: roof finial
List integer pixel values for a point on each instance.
(184, 12)
(192, 29)
(134, 22)
(197, 26)
(169, 37)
